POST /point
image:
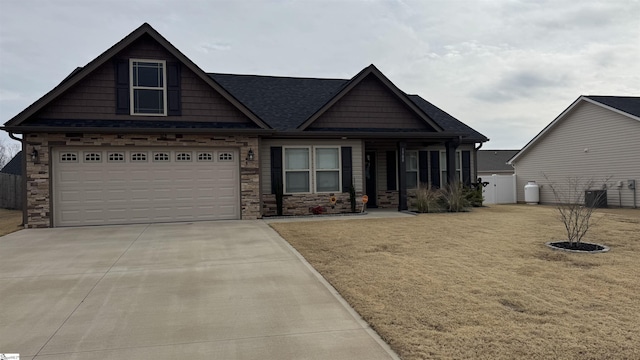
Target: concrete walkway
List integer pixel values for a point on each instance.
(205, 290)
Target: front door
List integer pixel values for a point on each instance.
(370, 176)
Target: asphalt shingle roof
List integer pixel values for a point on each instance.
(282, 102)
(628, 104)
(285, 102)
(495, 160)
(446, 121)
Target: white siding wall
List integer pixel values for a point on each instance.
(613, 143)
(265, 158)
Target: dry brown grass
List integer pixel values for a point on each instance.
(10, 221)
(482, 285)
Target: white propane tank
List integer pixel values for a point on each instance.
(531, 193)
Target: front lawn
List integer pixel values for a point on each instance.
(10, 221)
(482, 285)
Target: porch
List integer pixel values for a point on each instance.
(394, 169)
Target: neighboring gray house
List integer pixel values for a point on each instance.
(14, 166)
(492, 162)
(141, 134)
(595, 138)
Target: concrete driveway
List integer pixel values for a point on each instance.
(204, 290)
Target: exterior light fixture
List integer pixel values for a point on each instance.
(250, 155)
(35, 156)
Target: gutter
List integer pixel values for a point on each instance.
(260, 132)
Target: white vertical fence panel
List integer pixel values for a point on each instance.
(500, 190)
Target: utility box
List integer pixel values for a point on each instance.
(595, 198)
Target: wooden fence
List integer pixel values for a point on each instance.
(10, 191)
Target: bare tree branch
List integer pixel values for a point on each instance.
(575, 213)
(7, 151)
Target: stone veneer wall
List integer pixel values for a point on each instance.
(38, 177)
(388, 199)
(301, 204)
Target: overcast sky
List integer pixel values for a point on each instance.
(505, 68)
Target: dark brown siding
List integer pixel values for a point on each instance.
(94, 97)
(370, 105)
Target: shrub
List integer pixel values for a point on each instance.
(455, 198)
(428, 199)
(574, 212)
(474, 196)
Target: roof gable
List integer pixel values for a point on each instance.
(370, 105)
(626, 106)
(372, 78)
(143, 31)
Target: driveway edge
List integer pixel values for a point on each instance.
(376, 337)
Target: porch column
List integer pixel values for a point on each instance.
(402, 176)
(451, 147)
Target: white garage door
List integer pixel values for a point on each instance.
(99, 186)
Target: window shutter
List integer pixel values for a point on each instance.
(122, 86)
(347, 168)
(466, 168)
(391, 170)
(276, 169)
(435, 168)
(173, 89)
(423, 166)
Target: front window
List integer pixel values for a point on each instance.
(443, 166)
(412, 169)
(327, 168)
(148, 87)
(296, 170)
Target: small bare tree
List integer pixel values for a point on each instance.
(574, 209)
(7, 151)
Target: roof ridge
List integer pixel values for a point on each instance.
(277, 76)
(613, 96)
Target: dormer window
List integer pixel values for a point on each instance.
(148, 87)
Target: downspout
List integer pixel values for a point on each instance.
(23, 143)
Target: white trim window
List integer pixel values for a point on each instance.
(148, 87)
(412, 169)
(297, 169)
(443, 166)
(327, 169)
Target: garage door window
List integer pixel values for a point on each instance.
(225, 156)
(92, 157)
(183, 156)
(68, 157)
(115, 157)
(138, 157)
(205, 156)
(160, 157)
